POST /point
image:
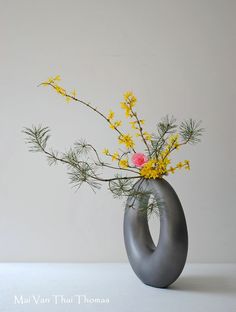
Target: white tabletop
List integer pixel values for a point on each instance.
(112, 287)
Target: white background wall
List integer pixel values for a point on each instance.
(177, 56)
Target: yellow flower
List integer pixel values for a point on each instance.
(115, 156)
(165, 153)
(127, 95)
(141, 121)
(172, 170)
(50, 80)
(166, 161)
(130, 98)
(133, 101)
(176, 146)
(106, 152)
(123, 105)
(60, 90)
(180, 165)
(68, 99)
(147, 136)
(44, 83)
(133, 125)
(154, 168)
(127, 140)
(110, 115)
(127, 109)
(123, 163)
(173, 139)
(187, 164)
(129, 102)
(116, 124)
(150, 170)
(57, 78)
(74, 93)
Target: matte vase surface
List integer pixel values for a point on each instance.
(157, 266)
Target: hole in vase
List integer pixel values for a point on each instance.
(154, 227)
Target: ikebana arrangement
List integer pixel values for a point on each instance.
(127, 165)
(137, 176)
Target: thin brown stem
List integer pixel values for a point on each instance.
(109, 166)
(157, 152)
(118, 168)
(141, 130)
(119, 159)
(89, 106)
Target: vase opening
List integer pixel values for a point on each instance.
(154, 227)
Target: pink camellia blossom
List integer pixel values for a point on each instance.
(139, 159)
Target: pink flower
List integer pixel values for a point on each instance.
(139, 159)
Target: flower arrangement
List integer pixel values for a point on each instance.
(128, 165)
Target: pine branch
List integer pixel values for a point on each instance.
(82, 147)
(52, 157)
(37, 138)
(190, 131)
(83, 174)
(165, 127)
(120, 187)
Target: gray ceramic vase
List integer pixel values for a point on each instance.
(157, 266)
